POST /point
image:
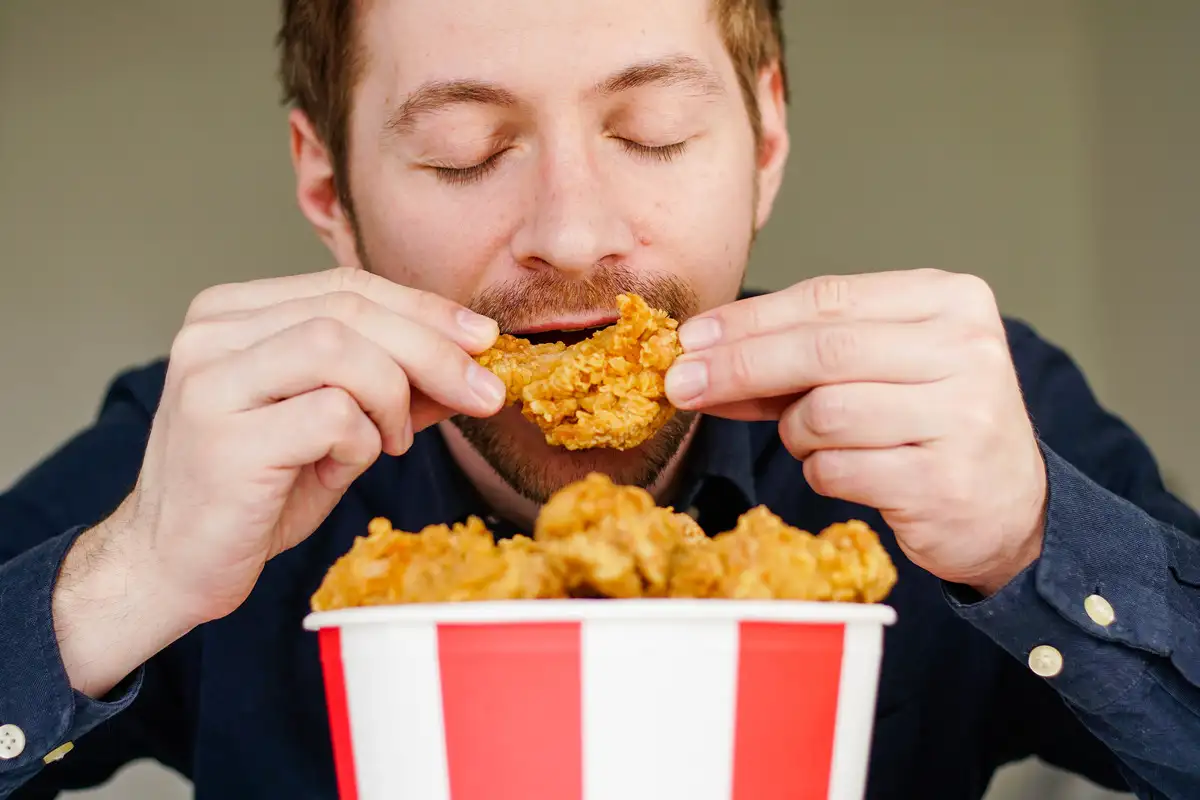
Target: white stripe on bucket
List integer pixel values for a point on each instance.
(862, 649)
(393, 689)
(641, 743)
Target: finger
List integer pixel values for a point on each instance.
(797, 360)
(913, 296)
(326, 427)
(304, 359)
(756, 410)
(426, 413)
(473, 332)
(435, 365)
(851, 416)
(888, 480)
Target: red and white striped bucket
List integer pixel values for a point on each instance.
(602, 699)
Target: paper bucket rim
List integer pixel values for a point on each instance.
(580, 610)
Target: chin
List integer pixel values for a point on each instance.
(516, 449)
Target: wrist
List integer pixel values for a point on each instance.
(111, 610)
(1026, 554)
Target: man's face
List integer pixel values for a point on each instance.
(533, 158)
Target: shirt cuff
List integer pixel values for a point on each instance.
(1101, 606)
(37, 699)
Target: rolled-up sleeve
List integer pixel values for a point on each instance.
(45, 715)
(1109, 614)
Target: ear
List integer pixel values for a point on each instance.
(775, 144)
(317, 193)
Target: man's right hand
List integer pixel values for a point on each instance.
(279, 394)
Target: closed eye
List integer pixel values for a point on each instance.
(666, 152)
(461, 176)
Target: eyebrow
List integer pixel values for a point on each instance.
(439, 95)
(677, 70)
(435, 96)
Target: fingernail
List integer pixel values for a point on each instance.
(698, 334)
(487, 387)
(687, 380)
(478, 327)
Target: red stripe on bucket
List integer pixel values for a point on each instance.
(339, 713)
(787, 690)
(512, 703)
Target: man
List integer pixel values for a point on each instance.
(478, 167)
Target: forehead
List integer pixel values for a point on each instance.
(531, 45)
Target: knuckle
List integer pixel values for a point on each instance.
(990, 351)
(795, 436)
(825, 472)
(828, 296)
(340, 411)
(349, 279)
(932, 274)
(834, 347)
(744, 365)
(980, 417)
(371, 441)
(824, 411)
(345, 306)
(326, 338)
(188, 346)
(208, 302)
(441, 357)
(975, 293)
(429, 306)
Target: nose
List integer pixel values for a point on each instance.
(574, 221)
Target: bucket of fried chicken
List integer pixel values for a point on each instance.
(618, 653)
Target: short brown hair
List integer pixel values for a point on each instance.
(319, 62)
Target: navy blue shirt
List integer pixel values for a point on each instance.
(238, 706)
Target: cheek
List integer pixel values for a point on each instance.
(429, 237)
(700, 225)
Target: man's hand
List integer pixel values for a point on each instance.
(279, 394)
(898, 392)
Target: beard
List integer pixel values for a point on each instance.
(515, 449)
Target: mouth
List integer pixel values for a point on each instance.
(565, 333)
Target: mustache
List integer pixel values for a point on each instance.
(531, 299)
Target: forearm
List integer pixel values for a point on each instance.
(111, 611)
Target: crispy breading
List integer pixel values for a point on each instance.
(765, 558)
(595, 538)
(606, 540)
(438, 564)
(607, 391)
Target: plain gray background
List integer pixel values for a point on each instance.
(1047, 145)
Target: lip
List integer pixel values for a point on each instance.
(573, 323)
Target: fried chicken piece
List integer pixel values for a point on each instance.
(612, 541)
(607, 391)
(764, 558)
(438, 564)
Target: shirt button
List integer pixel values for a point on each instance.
(59, 752)
(1045, 661)
(12, 742)
(1100, 610)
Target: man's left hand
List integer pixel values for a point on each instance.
(898, 392)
